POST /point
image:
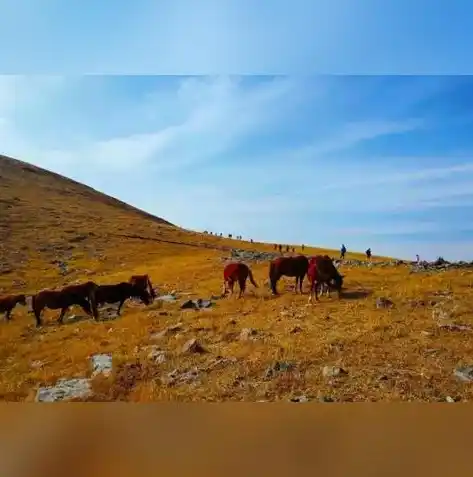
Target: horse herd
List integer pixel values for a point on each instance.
(320, 270)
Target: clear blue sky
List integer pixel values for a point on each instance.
(380, 162)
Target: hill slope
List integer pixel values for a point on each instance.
(258, 348)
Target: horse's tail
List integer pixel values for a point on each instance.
(252, 280)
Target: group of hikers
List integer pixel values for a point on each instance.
(343, 251)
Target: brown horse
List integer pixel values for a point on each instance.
(121, 292)
(236, 272)
(323, 273)
(144, 282)
(7, 303)
(82, 295)
(290, 267)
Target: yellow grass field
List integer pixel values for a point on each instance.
(394, 354)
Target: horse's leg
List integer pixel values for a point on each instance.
(8, 314)
(311, 291)
(37, 314)
(60, 320)
(242, 284)
(120, 306)
(301, 281)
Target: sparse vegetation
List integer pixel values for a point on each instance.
(54, 232)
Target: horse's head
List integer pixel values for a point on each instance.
(143, 295)
(21, 299)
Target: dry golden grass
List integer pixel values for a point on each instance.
(390, 354)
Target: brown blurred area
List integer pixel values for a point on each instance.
(234, 439)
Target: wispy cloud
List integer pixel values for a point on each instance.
(278, 158)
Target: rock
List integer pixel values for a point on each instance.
(193, 346)
(302, 398)
(296, 329)
(449, 399)
(454, 327)
(37, 364)
(277, 367)
(167, 331)
(464, 373)
(155, 354)
(198, 304)
(248, 334)
(65, 389)
(333, 371)
(168, 298)
(182, 377)
(382, 302)
(101, 364)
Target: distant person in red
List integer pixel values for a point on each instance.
(343, 251)
(368, 254)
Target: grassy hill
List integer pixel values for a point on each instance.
(393, 354)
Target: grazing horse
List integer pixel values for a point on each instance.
(144, 282)
(120, 292)
(82, 295)
(237, 272)
(323, 273)
(290, 267)
(7, 303)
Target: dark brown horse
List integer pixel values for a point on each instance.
(290, 267)
(7, 303)
(121, 292)
(322, 273)
(82, 295)
(237, 272)
(144, 282)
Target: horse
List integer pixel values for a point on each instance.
(323, 273)
(236, 272)
(144, 282)
(82, 295)
(120, 292)
(8, 302)
(289, 266)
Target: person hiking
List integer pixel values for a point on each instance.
(343, 251)
(368, 254)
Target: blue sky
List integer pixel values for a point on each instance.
(384, 162)
(236, 36)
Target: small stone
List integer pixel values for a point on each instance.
(325, 399)
(464, 373)
(64, 389)
(296, 329)
(382, 302)
(302, 398)
(449, 399)
(247, 334)
(101, 364)
(333, 371)
(193, 346)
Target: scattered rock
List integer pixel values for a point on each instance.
(247, 334)
(449, 399)
(302, 398)
(168, 298)
(101, 364)
(156, 354)
(198, 304)
(37, 364)
(323, 398)
(64, 389)
(333, 371)
(182, 377)
(167, 331)
(454, 327)
(278, 367)
(193, 346)
(296, 329)
(464, 373)
(382, 302)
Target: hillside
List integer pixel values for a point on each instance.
(258, 348)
